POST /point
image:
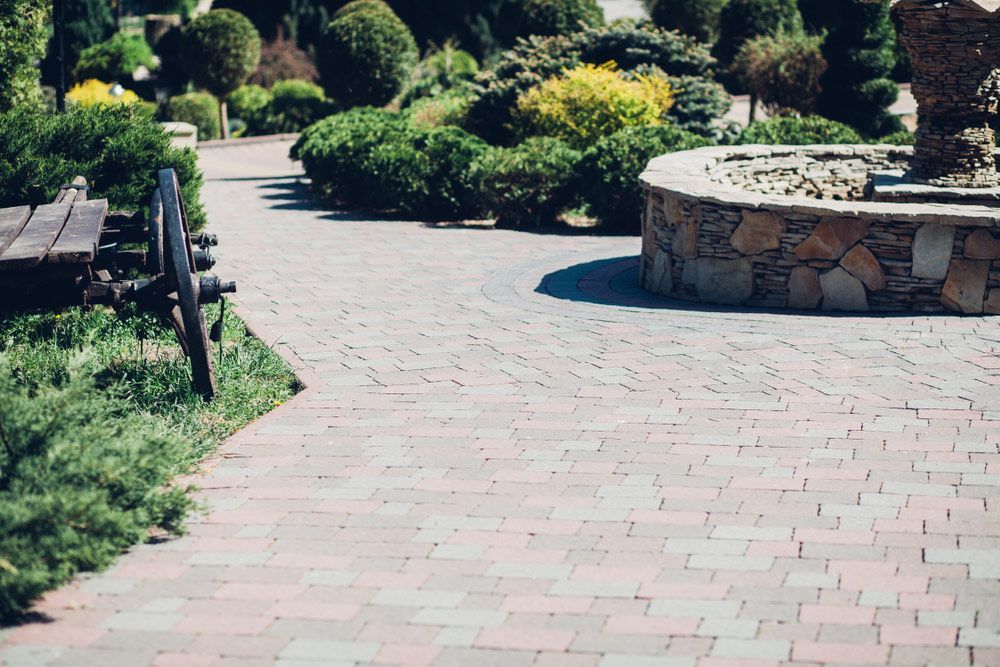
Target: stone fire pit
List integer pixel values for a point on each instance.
(855, 228)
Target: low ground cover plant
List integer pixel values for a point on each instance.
(97, 416)
(118, 148)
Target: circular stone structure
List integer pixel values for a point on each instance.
(792, 227)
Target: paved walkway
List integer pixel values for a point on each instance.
(509, 455)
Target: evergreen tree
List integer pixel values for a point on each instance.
(742, 20)
(860, 48)
(698, 18)
(88, 22)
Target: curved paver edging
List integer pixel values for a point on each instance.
(746, 226)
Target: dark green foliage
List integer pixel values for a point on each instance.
(281, 60)
(79, 482)
(199, 109)
(699, 103)
(221, 50)
(440, 71)
(699, 18)
(528, 185)
(172, 74)
(87, 463)
(23, 33)
(857, 89)
(796, 131)
(292, 106)
(88, 22)
(370, 158)
(366, 54)
(901, 138)
(117, 148)
(609, 171)
(521, 18)
(182, 7)
(742, 20)
(115, 59)
(633, 46)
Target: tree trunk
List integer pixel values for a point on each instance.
(224, 118)
(753, 107)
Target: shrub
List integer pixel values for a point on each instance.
(521, 18)
(115, 59)
(281, 60)
(442, 70)
(371, 158)
(609, 171)
(249, 103)
(294, 105)
(366, 54)
(634, 46)
(221, 50)
(79, 482)
(742, 20)
(794, 131)
(88, 22)
(117, 148)
(528, 185)
(857, 88)
(199, 109)
(23, 33)
(698, 18)
(448, 108)
(699, 104)
(901, 138)
(783, 71)
(589, 102)
(92, 91)
(183, 7)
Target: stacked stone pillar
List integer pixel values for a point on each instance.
(955, 47)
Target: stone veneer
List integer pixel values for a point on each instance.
(786, 227)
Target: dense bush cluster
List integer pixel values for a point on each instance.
(117, 148)
(115, 59)
(547, 17)
(23, 33)
(698, 18)
(289, 106)
(795, 131)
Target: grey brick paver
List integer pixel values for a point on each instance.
(508, 454)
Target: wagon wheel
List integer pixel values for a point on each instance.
(154, 254)
(187, 315)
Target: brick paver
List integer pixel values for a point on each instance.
(509, 455)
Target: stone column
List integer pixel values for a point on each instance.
(955, 47)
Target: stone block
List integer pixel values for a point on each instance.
(832, 238)
(804, 290)
(842, 291)
(673, 211)
(862, 264)
(760, 231)
(685, 241)
(932, 250)
(689, 274)
(725, 281)
(981, 244)
(992, 303)
(965, 288)
(661, 278)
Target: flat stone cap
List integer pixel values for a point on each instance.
(990, 6)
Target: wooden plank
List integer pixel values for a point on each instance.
(36, 238)
(12, 221)
(70, 195)
(78, 242)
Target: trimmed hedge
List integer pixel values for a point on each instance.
(794, 131)
(520, 18)
(366, 54)
(117, 148)
(199, 109)
(115, 59)
(609, 171)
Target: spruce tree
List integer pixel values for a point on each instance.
(860, 47)
(742, 20)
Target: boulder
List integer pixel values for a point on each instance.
(832, 238)
(965, 288)
(981, 244)
(932, 250)
(760, 231)
(842, 291)
(862, 264)
(804, 291)
(726, 281)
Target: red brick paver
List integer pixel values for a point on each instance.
(507, 454)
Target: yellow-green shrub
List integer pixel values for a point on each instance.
(95, 91)
(591, 101)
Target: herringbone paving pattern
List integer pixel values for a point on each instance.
(509, 455)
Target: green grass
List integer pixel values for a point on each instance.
(97, 416)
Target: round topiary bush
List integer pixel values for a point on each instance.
(115, 59)
(248, 101)
(221, 50)
(609, 171)
(366, 54)
(795, 131)
(521, 18)
(698, 18)
(529, 185)
(199, 109)
(294, 105)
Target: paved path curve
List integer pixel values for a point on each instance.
(509, 455)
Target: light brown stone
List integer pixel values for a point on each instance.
(832, 238)
(992, 303)
(685, 241)
(726, 281)
(804, 291)
(981, 244)
(965, 288)
(932, 250)
(759, 232)
(842, 291)
(673, 211)
(862, 264)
